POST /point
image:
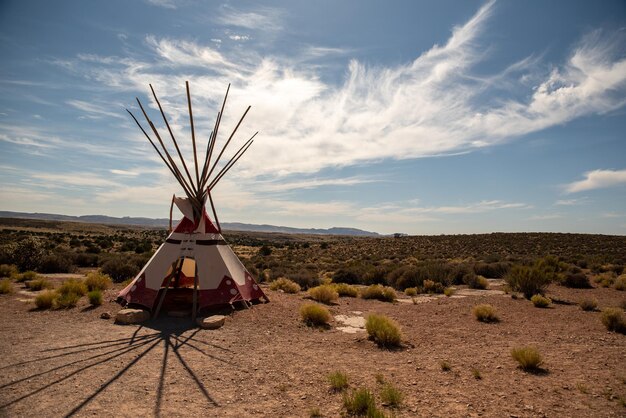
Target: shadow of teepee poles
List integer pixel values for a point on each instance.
(172, 337)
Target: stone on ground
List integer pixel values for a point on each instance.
(132, 316)
(211, 322)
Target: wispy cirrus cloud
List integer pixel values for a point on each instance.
(598, 179)
(262, 18)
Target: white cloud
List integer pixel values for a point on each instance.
(167, 4)
(547, 217)
(598, 179)
(263, 19)
(124, 172)
(93, 110)
(279, 186)
(235, 37)
(571, 202)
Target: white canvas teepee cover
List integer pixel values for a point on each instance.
(222, 278)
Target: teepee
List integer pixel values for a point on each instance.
(194, 264)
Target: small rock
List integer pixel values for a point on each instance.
(211, 322)
(105, 315)
(132, 316)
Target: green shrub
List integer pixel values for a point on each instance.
(620, 282)
(26, 276)
(528, 358)
(338, 381)
(361, 402)
(344, 289)
(540, 301)
(7, 270)
(383, 330)
(5, 287)
(492, 270)
(485, 313)
(391, 396)
(120, 269)
(45, 299)
(528, 280)
(379, 292)
(588, 304)
(75, 286)
(613, 320)
(28, 254)
(474, 281)
(95, 297)
(324, 293)
(98, 281)
(39, 284)
(57, 262)
(576, 280)
(410, 291)
(66, 300)
(285, 285)
(315, 315)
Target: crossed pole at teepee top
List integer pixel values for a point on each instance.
(196, 191)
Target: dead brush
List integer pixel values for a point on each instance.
(613, 319)
(588, 304)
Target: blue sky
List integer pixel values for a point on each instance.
(404, 116)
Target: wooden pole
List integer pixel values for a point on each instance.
(218, 120)
(228, 167)
(180, 155)
(193, 136)
(227, 142)
(158, 308)
(171, 211)
(194, 311)
(217, 221)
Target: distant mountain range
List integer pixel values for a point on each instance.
(164, 222)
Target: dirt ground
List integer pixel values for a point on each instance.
(265, 362)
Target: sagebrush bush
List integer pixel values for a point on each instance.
(613, 319)
(98, 281)
(540, 301)
(360, 402)
(620, 282)
(7, 270)
(379, 292)
(57, 262)
(45, 300)
(492, 270)
(324, 293)
(384, 331)
(474, 281)
(485, 313)
(528, 358)
(338, 381)
(28, 254)
(315, 315)
(39, 284)
(391, 396)
(410, 291)
(5, 287)
(344, 289)
(588, 304)
(285, 285)
(95, 297)
(528, 280)
(119, 269)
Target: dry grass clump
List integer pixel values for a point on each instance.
(39, 284)
(588, 304)
(485, 313)
(379, 292)
(315, 315)
(613, 319)
(95, 297)
(540, 301)
(70, 293)
(7, 270)
(5, 287)
(361, 402)
(528, 280)
(620, 282)
(25, 277)
(445, 366)
(45, 300)
(391, 396)
(474, 281)
(528, 358)
(98, 281)
(384, 331)
(66, 300)
(431, 286)
(345, 289)
(338, 381)
(286, 285)
(324, 293)
(449, 291)
(410, 291)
